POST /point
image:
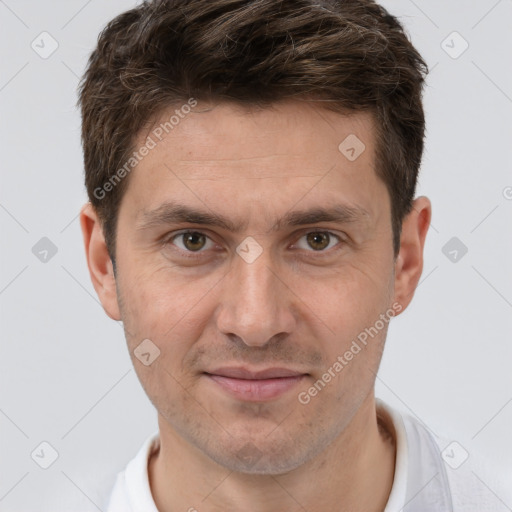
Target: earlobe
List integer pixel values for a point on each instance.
(409, 262)
(98, 260)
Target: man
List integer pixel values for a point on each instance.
(251, 169)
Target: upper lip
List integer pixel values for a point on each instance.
(244, 373)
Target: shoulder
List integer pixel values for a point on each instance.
(442, 474)
(119, 500)
(474, 481)
(131, 491)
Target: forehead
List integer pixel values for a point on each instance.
(289, 134)
(286, 151)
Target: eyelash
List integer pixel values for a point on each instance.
(194, 255)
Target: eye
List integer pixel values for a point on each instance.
(319, 241)
(197, 242)
(191, 241)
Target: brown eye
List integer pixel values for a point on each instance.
(191, 241)
(318, 241)
(194, 241)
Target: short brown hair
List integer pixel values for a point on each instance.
(351, 55)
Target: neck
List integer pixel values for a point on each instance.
(354, 473)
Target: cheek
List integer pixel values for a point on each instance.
(160, 298)
(170, 310)
(348, 298)
(350, 303)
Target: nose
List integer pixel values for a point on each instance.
(256, 304)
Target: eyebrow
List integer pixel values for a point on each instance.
(176, 213)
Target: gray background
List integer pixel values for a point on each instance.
(65, 374)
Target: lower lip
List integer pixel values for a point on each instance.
(256, 390)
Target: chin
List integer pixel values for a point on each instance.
(261, 457)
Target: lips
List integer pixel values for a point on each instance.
(243, 373)
(255, 385)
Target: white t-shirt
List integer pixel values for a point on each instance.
(430, 475)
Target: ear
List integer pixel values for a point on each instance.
(409, 262)
(98, 260)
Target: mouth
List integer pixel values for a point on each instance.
(255, 386)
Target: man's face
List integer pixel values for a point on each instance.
(273, 294)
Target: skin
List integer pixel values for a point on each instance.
(293, 307)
